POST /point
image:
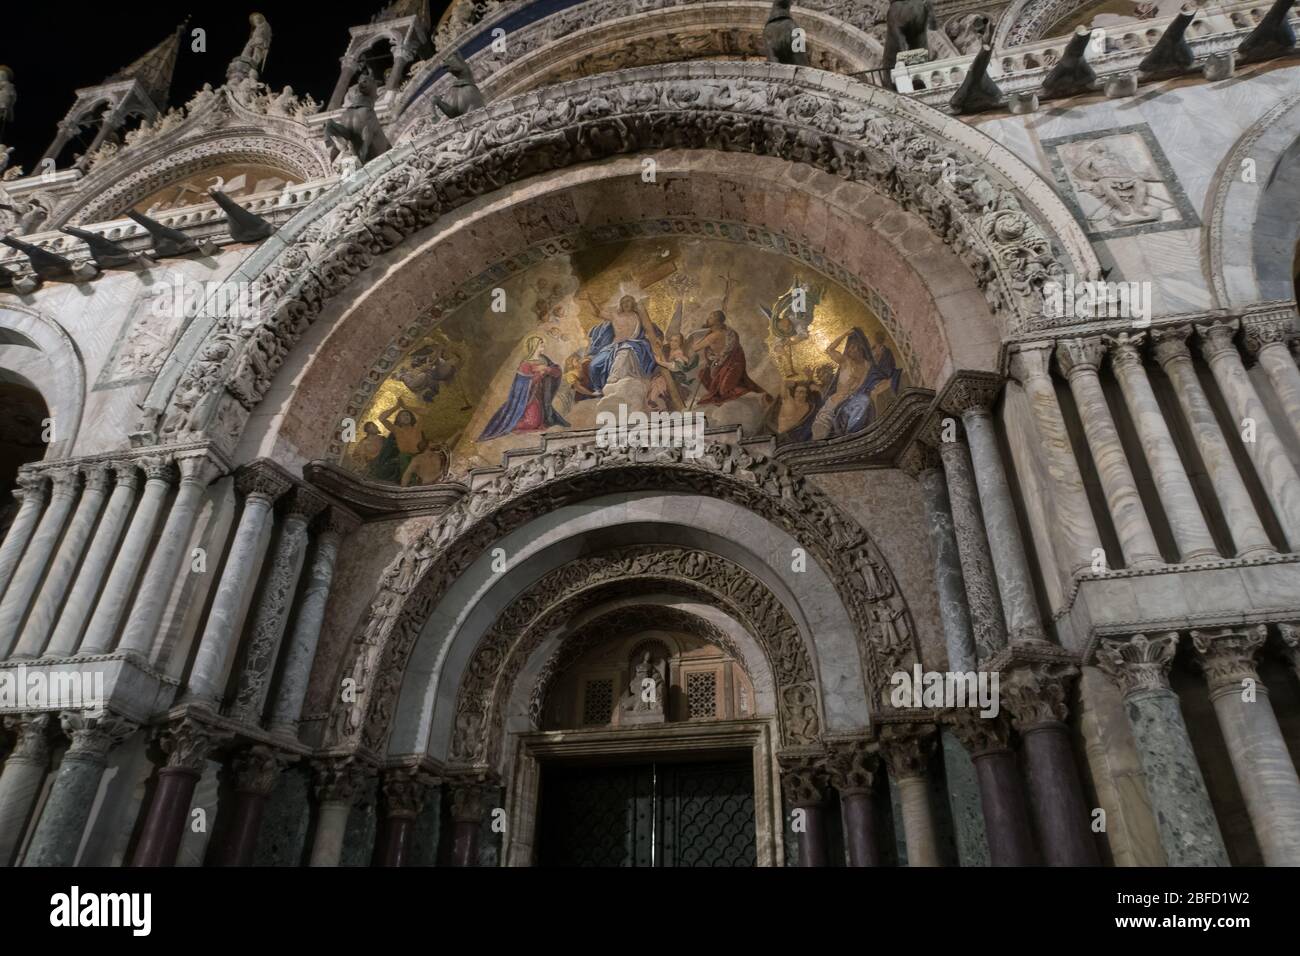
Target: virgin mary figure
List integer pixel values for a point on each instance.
(528, 406)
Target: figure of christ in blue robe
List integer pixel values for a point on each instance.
(857, 411)
(602, 348)
(522, 393)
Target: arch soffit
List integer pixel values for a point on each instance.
(569, 534)
(1229, 243)
(65, 390)
(931, 306)
(1025, 21)
(416, 581)
(973, 193)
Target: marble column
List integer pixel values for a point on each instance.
(1072, 517)
(851, 767)
(31, 569)
(128, 563)
(66, 560)
(1248, 536)
(261, 486)
(1183, 511)
(1290, 634)
(1080, 359)
(1002, 796)
(1272, 462)
(1266, 339)
(336, 780)
(1035, 693)
(1189, 830)
(959, 637)
(1260, 758)
(907, 750)
(85, 587)
(67, 809)
(257, 771)
(972, 398)
(170, 556)
(20, 781)
(349, 67)
(301, 654)
(403, 791)
(186, 743)
(32, 491)
(468, 805)
(279, 585)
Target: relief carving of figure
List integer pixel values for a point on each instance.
(1118, 183)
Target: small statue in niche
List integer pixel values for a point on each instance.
(644, 701)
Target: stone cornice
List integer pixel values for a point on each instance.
(374, 499)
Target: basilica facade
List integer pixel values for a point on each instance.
(662, 433)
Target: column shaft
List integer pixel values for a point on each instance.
(331, 827)
(1006, 817)
(257, 770)
(860, 828)
(33, 492)
(186, 744)
(959, 638)
(20, 781)
(1192, 534)
(907, 751)
(31, 569)
(1081, 359)
(1276, 361)
(1248, 535)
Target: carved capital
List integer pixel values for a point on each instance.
(851, 766)
(970, 391)
(198, 468)
(1218, 339)
(1036, 693)
(257, 770)
(336, 779)
(1032, 362)
(32, 742)
(126, 474)
(907, 749)
(803, 779)
(187, 744)
(338, 521)
(1170, 344)
(1139, 664)
(469, 801)
(404, 791)
(93, 737)
(918, 458)
(260, 480)
(66, 481)
(979, 735)
(98, 476)
(1262, 331)
(305, 504)
(157, 468)
(1081, 354)
(1228, 655)
(1125, 349)
(33, 485)
(1290, 634)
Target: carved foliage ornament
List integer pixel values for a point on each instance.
(417, 579)
(982, 220)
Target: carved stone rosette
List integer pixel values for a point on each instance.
(1139, 664)
(1228, 655)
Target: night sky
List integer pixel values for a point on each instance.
(55, 48)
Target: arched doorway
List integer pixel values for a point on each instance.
(21, 438)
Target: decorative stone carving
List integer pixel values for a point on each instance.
(469, 800)
(803, 779)
(643, 703)
(257, 769)
(31, 736)
(93, 737)
(357, 132)
(979, 735)
(1139, 664)
(1036, 693)
(1228, 655)
(1272, 329)
(187, 743)
(907, 749)
(851, 766)
(336, 779)
(968, 205)
(404, 792)
(258, 479)
(464, 95)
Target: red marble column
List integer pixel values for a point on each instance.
(186, 744)
(257, 770)
(468, 804)
(803, 784)
(1002, 798)
(404, 792)
(852, 767)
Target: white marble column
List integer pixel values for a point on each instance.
(128, 564)
(141, 630)
(261, 485)
(1260, 758)
(80, 600)
(1183, 511)
(336, 781)
(66, 560)
(31, 569)
(1080, 359)
(972, 399)
(1266, 340)
(1267, 453)
(1248, 536)
(279, 586)
(33, 491)
(1076, 530)
(907, 753)
(301, 653)
(20, 781)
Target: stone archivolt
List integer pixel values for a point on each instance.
(417, 579)
(965, 200)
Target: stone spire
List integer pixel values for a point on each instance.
(154, 70)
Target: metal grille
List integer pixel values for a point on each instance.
(701, 695)
(598, 702)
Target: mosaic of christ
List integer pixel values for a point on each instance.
(745, 336)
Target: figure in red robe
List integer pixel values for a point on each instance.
(723, 375)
